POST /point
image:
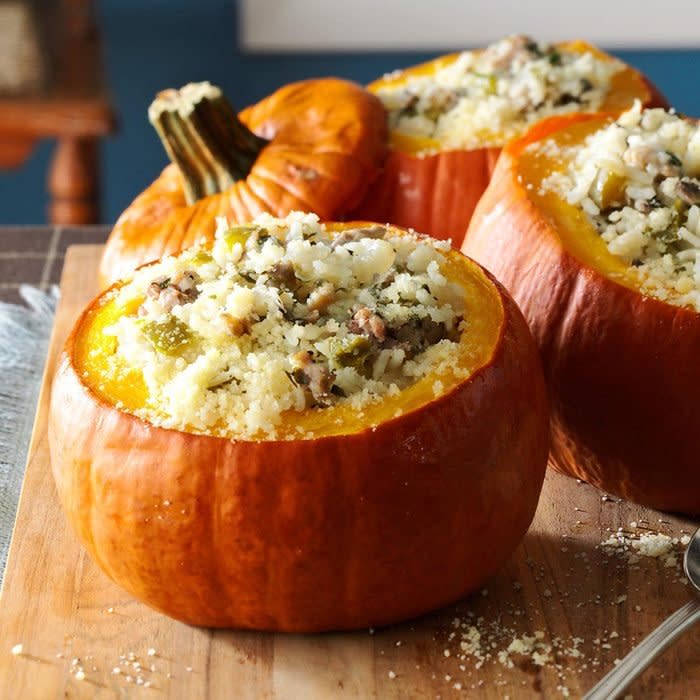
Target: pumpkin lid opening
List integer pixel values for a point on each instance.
(290, 329)
(484, 98)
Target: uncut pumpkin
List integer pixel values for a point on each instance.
(314, 145)
(435, 190)
(377, 518)
(620, 365)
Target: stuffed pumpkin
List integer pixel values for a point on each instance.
(260, 433)
(593, 224)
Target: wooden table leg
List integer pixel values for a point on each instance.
(74, 182)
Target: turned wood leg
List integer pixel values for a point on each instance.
(73, 182)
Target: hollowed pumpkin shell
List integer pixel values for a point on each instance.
(620, 365)
(380, 519)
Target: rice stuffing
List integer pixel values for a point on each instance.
(638, 180)
(283, 315)
(485, 98)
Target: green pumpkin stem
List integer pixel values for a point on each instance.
(204, 137)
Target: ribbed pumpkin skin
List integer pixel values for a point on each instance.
(327, 143)
(338, 532)
(437, 193)
(621, 367)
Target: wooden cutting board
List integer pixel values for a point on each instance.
(580, 605)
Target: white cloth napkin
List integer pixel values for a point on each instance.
(24, 338)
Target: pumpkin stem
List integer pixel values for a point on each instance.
(204, 137)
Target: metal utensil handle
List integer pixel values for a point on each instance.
(612, 685)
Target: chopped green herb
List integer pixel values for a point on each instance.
(222, 383)
(554, 58)
(670, 235)
(300, 377)
(247, 276)
(673, 159)
(291, 378)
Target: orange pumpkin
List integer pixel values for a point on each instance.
(312, 146)
(380, 516)
(430, 188)
(619, 363)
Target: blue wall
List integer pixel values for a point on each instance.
(164, 43)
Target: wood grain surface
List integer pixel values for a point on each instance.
(580, 605)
